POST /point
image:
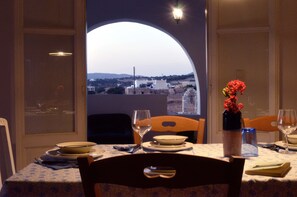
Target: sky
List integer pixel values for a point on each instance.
(118, 47)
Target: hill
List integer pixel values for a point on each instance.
(119, 76)
(106, 76)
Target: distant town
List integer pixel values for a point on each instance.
(180, 89)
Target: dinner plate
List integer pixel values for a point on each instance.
(157, 145)
(56, 153)
(283, 145)
(167, 148)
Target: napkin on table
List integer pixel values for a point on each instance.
(56, 163)
(275, 169)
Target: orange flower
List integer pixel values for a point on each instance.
(230, 91)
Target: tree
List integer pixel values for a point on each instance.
(116, 90)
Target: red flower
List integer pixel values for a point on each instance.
(230, 91)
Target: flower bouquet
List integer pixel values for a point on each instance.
(230, 91)
(232, 118)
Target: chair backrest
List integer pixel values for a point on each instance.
(4, 123)
(169, 170)
(176, 124)
(262, 123)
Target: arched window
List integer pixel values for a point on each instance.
(133, 58)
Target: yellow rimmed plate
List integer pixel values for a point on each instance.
(167, 148)
(56, 153)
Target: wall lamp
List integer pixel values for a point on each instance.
(177, 12)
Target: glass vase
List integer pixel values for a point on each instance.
(232, 138)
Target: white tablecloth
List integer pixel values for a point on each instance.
(37, 180)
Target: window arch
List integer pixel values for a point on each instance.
(152, 52)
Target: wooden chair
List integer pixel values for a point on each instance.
(176, 124)
(182, 171)
(263, 123)
(266, 127)
(9, 165)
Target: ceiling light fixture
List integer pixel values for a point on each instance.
(60, 54)
(177, 12)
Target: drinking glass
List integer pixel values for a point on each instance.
(141, 122)
(287, 123)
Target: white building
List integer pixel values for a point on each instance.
(188, 82)
(154, 84)
(145, 86)
(139, 82)
(160, 84)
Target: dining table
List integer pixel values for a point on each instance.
(41, 180)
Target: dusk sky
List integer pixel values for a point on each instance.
(118, 47)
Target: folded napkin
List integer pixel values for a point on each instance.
(56, 163)
(275, 169)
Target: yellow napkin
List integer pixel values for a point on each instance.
(275, 169)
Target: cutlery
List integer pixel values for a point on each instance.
(270, 146)
(129, 149)
(134, 149)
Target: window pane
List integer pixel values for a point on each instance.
(49, 85)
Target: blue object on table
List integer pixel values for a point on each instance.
(249, 146)
(56, 163)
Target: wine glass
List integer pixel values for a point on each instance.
(141, 122)
(287, 123)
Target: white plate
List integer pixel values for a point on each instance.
(56, 153)
(156, 145)
(170, 139)
(75, 147)
(167, 148)
(283, 145)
